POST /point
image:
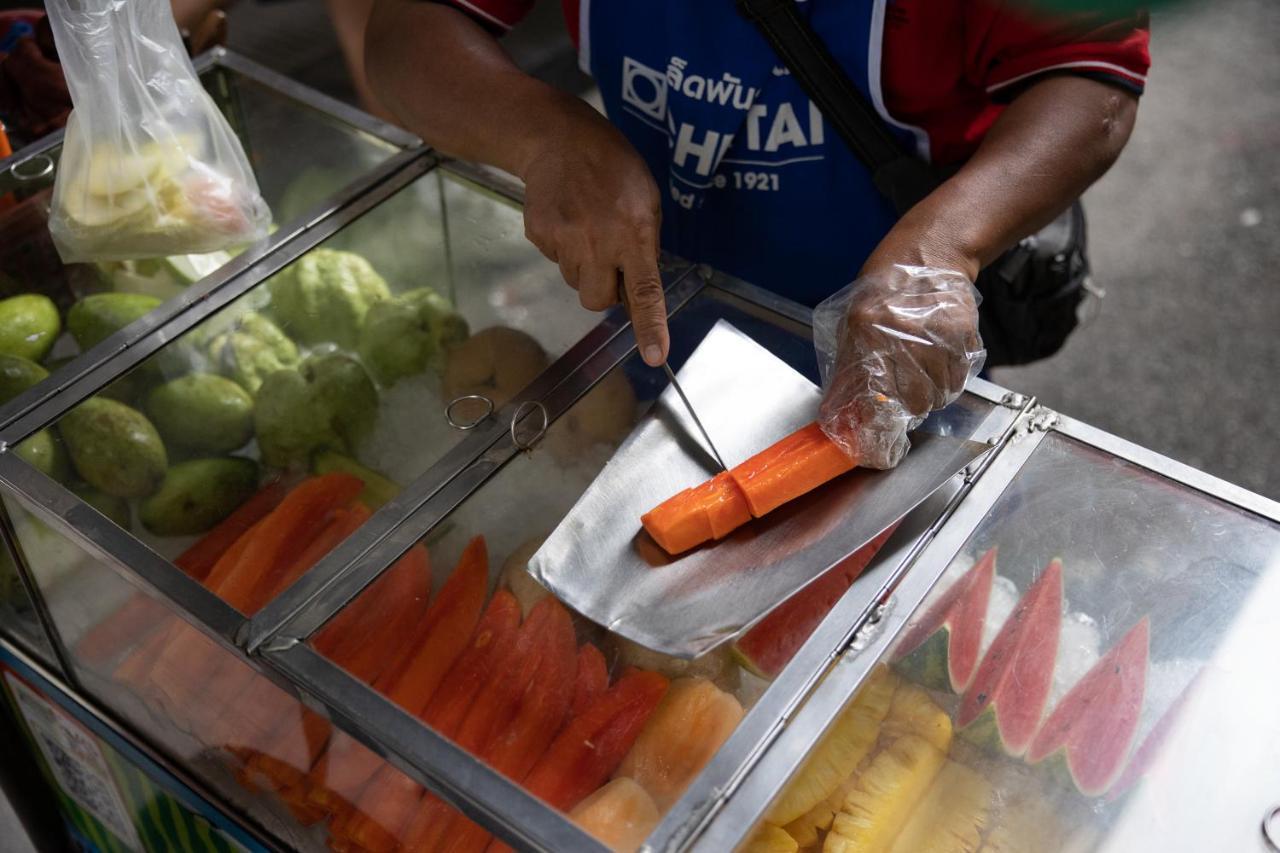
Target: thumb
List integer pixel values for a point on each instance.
(647, 305)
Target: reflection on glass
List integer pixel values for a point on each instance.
(202, 706)
(1031, 696)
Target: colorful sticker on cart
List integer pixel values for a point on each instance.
(76, 761)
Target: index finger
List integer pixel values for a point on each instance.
(648, 305)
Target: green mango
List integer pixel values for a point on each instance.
(251, 350)
(198, 494)
(202, 412)
(44, 452)
(100, 315)
(114, 508)
(323, 297)
(406, 335)
(329, 402)
(17, 374)
(29, 324)
(114, 448)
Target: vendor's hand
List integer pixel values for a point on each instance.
(592, 207)
(896, 344)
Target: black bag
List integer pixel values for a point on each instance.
(1032, 294)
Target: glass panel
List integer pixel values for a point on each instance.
(544, 696)
(299, 156)
(203, 708)
(1058, 688)
(308, 402)
(17, 612)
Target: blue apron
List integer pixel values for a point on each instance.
(753, 181)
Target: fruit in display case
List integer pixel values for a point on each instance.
(1004, 704)
(202, 413)
(941, 649)
(163, 278)
(886, 794)
(913, 712)
(769, 646)
(605, 415)
(497, 362)
(197, 494)
(620, 815)
(687, 729)
(114, 508)
(838, 754)
(252, 349)
(952, 816)
(98, 316)
(324, 296)
(29, 325)
(328, 402)
(409, 334)
(17, 374)
(1090, 731)
(770, 839)
(378, 490)
(114, 448)
(44, 451)
(791, 467)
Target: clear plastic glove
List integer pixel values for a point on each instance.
(892, 348)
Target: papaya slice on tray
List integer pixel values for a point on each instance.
(776, 475)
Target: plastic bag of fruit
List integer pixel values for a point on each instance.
(149, 165)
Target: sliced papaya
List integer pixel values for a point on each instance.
(620, 815)
(699, 514)
(591, 678)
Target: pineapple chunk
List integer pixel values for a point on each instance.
(805, 828)
(952, 815)
(770, 839)
(841, 749)
(914, 712)
(887, 791)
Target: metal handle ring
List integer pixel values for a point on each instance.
(43, 165)
(466, 398)
(522, 410)
(1271, 828)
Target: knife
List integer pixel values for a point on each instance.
(675, 383)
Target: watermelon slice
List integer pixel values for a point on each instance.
(1145, 755)
(770, 645)
(940, 651)
(1093, 726)
(1003, 705)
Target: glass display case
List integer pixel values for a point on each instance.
(309, 154)
(676, 730)
(279, 532)
(1100, 617)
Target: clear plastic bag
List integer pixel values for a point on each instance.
(890, 350)
(149, 165)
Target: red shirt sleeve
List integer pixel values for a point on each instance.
(1010, 45)
(496, 15)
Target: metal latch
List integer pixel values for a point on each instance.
(1271, 828)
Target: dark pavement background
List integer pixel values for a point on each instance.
(1185, 231)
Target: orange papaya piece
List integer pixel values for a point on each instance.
(587, 751)
(780, 473)
(198, 560)
(591, 678)
(710, 511)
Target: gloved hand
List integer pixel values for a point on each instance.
(893, 347)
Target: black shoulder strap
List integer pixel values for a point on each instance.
(900, 177)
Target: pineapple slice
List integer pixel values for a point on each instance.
(840, 751)
(805, 828)
(952, 815)
(887, 791)
(1026, 825)
(770, 839)
(913, 711)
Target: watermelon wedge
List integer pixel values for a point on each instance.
(1145, 755)
(1093, 726)
(940, 651)
(1004, 703)
(770, 645)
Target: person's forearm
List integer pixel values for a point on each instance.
(450, 82)
(1048, 146)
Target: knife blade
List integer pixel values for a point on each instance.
(675, 383)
